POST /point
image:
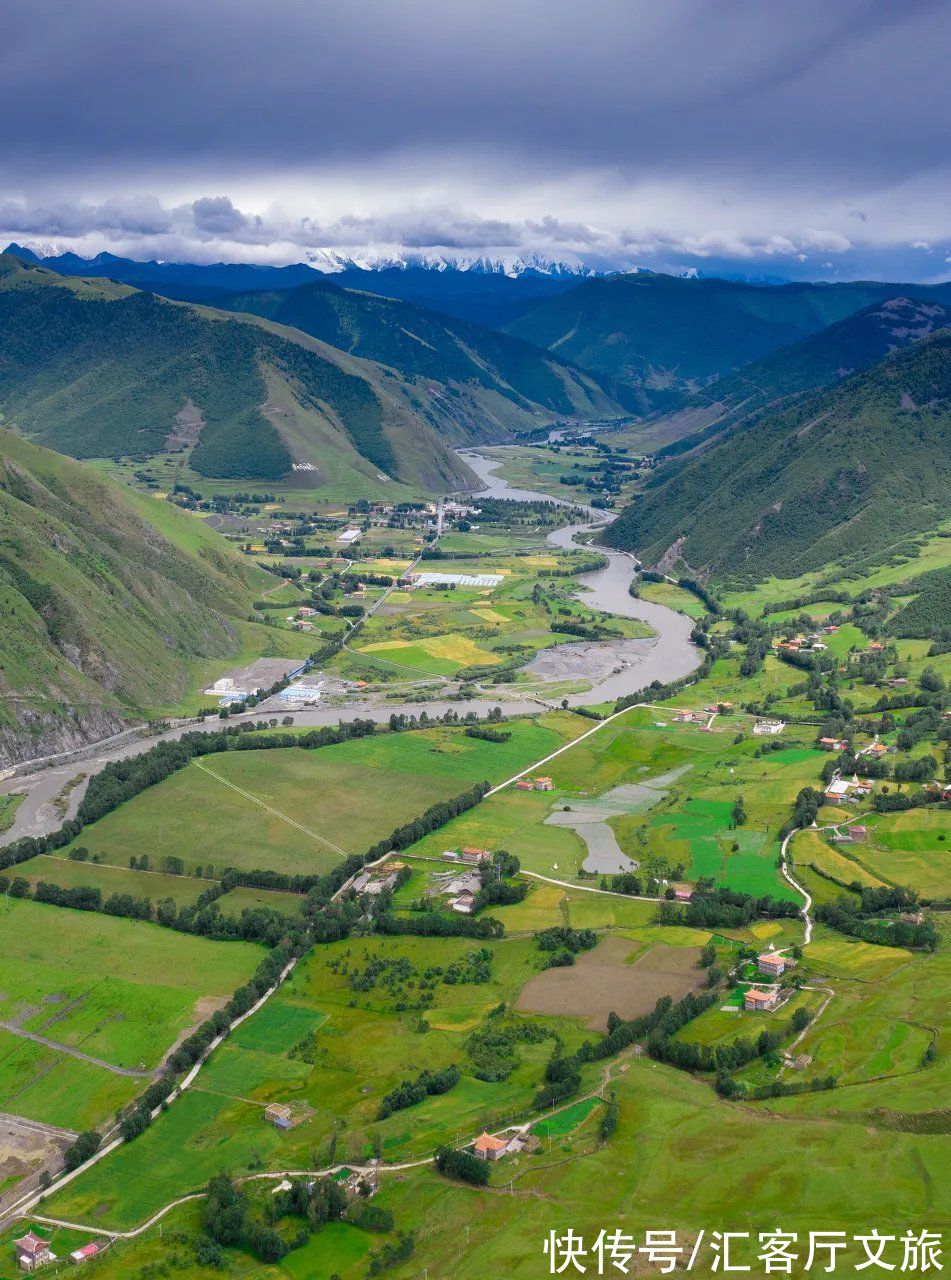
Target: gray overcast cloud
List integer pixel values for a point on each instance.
(805, 139)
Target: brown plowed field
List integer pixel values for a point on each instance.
(601, 982)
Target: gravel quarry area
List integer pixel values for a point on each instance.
(589, 819)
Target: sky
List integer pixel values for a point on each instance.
(804, 140)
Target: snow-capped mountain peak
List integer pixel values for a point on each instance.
(332, 261)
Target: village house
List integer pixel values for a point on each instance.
(756, 1001)
(475, 857)
(762, 727)
(487, 1147)
(911, 917)
(691, 717)
(33, 1251)
(523, 784)
(833, 744)
(543, 784)
(682, 893)
(464, 904)
(842, 789)
(771, 965)
(830, 630)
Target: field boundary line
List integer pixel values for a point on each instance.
(591, 888)
(57, 1045)
(270, 809)
(567, 747)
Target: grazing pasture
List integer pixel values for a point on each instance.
(297, 810)
(120, 991)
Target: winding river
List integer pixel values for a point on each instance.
(669, 655)
(632, 666)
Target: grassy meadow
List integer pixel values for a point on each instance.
(300, 811)
(118, 990)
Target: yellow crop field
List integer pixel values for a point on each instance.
(454, 648)
(488, 615)
(765, 929)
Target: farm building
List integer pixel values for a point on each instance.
(350, 537)
(475, 856)
(832, 744)
(771, 965)
(756, 1001)
(763, 727)
(487, 1147)
(33, 1251)
(682, 893)
(429, 579)
(464, 904)
(239, 684)
(369, 882)
(279, 1114)
(303, 693)
(543, 784)
(691, 717)
(85, 1253)
(837, 790)
(524, 785)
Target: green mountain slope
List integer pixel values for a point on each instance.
(664, 333)
(101, 613)
(823, 359)
(421, 343)
(843, 475)
(96, 369)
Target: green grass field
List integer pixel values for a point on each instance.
(688, 823)
(297, 810)
(912, 848)
(361, 1044)
(109, 878)
(118, 990)
(8, 807)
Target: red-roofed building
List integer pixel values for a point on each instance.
(487, 1147)
(682, 893)
(475, 856)
(756, 1001)
(85, 1253)
(32, 1251)
(771, 964)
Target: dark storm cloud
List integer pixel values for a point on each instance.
(116, 111)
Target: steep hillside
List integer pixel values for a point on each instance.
(97, 369)
(665, 333)
(843, 475)
(421, 343)
(100, 613)
(823, 359)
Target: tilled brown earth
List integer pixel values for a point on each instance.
(601, 982)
